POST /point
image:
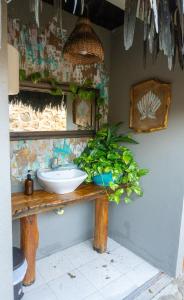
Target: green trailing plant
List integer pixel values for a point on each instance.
(22, 75)
(104, 154)
(87, 92)
(56, 89)
(84, 91)
(37, 77)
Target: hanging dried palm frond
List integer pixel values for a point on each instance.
(155, 12)
(146, 19)
(82, 4)
(35, 6)
(180, 4)
(140, 9)
(38, 101)
(75, 6)
(171, 59)
(178, 39)
(59, 13)
(129, 22)
(165, 29)
(155, 48)
(151, 35)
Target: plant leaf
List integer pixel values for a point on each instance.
(143, 172)
(127, 200)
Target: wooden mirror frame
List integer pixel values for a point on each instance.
(38, 135)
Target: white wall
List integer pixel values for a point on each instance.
(5, 198)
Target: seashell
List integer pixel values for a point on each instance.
(148, 105)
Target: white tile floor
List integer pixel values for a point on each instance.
(80, 273)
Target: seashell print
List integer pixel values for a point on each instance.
(148, 105)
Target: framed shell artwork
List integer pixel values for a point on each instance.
(150, 101)
(83, 113)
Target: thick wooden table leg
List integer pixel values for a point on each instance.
(29, 245)
(101, 224)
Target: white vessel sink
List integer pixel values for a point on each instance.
(60, 181)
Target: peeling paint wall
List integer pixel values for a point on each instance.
(40, 51)
(32, 155)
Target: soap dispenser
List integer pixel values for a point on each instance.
(28, 184)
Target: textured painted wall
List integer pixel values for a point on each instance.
(151, 225)
(40, 50)
(32, 155)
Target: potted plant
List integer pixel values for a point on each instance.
(109, 163)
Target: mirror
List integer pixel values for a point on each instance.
(37, 113)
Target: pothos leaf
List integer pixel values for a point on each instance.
(73, 88)
(105, 154)
(143, 172)
(127, 200)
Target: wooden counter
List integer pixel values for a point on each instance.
(26, 209)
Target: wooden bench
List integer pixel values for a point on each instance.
(26, 208)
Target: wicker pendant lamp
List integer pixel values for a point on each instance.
(83, 46)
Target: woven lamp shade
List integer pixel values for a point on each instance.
(83, 46)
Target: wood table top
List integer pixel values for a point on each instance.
(42, 201)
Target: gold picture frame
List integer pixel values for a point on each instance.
(149, 107)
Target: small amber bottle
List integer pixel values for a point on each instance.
(28, 184)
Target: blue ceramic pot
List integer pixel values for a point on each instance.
(103, 179)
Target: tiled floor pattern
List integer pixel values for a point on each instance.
(80, 273)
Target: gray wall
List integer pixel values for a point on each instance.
(5, 199)
(76, 225)
(150, 226)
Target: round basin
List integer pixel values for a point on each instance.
(60, 181)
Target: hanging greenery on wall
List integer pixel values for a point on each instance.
(84, 91)
(87, 92)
